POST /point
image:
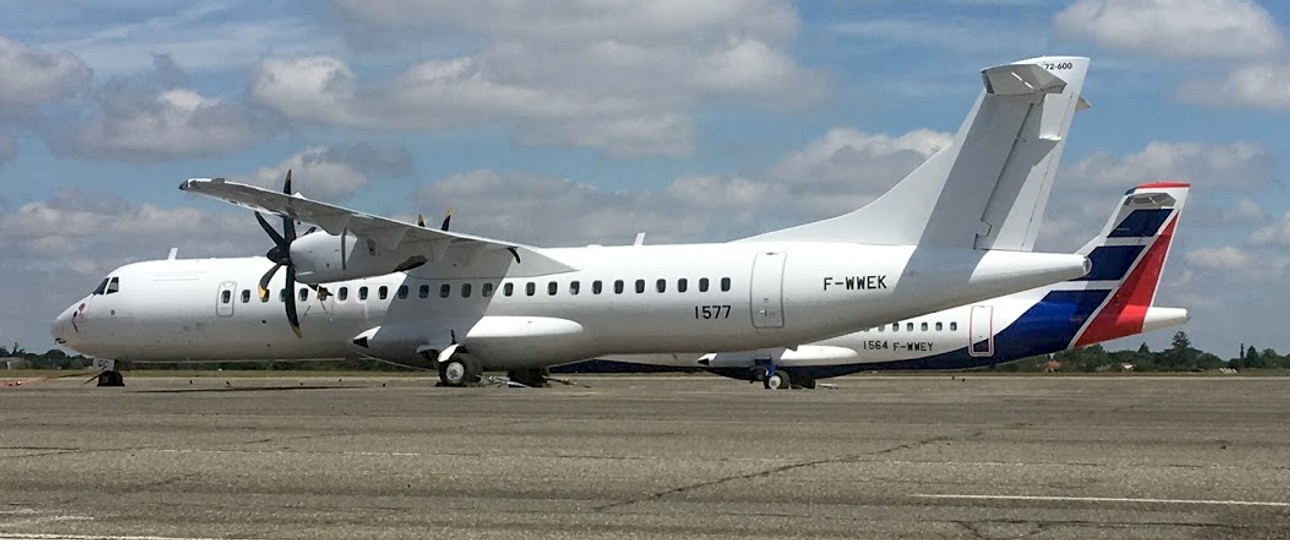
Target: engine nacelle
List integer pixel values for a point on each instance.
(324, 258)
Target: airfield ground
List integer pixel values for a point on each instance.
(647, 457)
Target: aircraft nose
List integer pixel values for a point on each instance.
(61, 329)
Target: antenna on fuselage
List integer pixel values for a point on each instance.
(174, 253)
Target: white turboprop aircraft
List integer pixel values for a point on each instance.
(403, 292)
(1114, 300)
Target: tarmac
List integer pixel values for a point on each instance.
(945, 456)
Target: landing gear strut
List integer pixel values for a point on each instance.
(111, 378)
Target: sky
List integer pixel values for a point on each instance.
(587, 121)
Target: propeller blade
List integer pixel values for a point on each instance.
(447, 219)
(288, 223)
(264, 281)
(292, 317)
(322, 292)
(278, 240)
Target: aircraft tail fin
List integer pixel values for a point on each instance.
(1128, 258)
(987, 189)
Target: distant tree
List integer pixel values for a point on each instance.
(4, 352)
(1254, 360)
(1180, 354)
(1144, 349)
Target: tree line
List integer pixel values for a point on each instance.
(1180, 356)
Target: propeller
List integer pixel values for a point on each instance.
(447, 219)
(280, 255)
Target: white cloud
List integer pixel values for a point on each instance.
(334, 173)
(1236, 165)
(1239, 261)
(174, 124)
(1277, 234)
(153, 116)
(1175, 28)
(34, 77)
(616, 77)
(1262, 86)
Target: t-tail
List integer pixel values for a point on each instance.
(988, 188)
(1116, 298)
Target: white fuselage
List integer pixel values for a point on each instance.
(736, 297)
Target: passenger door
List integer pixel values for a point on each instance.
(225, 298)
(981, 331)
(767, 290)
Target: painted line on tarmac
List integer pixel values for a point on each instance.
(1199, 502)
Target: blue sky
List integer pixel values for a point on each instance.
(586, 121)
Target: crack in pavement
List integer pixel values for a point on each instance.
(853, 458)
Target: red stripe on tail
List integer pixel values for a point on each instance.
(1127, 310)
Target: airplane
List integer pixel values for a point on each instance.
(377, 287)
(1115, 300)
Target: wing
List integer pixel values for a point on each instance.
(388, 233)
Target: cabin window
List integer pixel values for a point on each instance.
(246, 295)
(282, 296)
(882, 328)
(114, 286)
(551, 288)
(508, 289)
(939, 327)
(488, 290)
(342, 294)
(362, 293)
(424, 291)
(383, 292)
(682, 285)
(909, 327)
(661, 285)
(595, 287)
(445, 290)
(575, 287)
(895, 327)
(225, 297)
(530, 288)
(725, 284)
(923, 327)
(954, 326)
(304, 295)
(618, 286)
(703, 284)
(465, 290)
(640, 286)
(403, 292)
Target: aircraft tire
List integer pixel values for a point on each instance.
(779, 380)
(533, 377)
(459, 371)
(806, 382)
(111, 378)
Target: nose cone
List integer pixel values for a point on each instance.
(62, 328)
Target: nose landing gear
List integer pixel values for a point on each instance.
(774, 378)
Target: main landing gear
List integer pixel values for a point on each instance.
(773, 378)
(531, 377)
(111, 378)
(459, 370)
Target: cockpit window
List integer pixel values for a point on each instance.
(113, 286)
(102, 288)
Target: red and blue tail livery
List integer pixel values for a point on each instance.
(1114, 299)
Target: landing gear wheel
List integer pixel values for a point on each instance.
(777, 380)
(806, 382)
(111, 378)
(459, 371)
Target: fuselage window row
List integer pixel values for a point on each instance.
(507, 289)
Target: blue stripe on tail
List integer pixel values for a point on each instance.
(1141, 223)
(1111, 263)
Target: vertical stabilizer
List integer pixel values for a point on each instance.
(988, 187)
